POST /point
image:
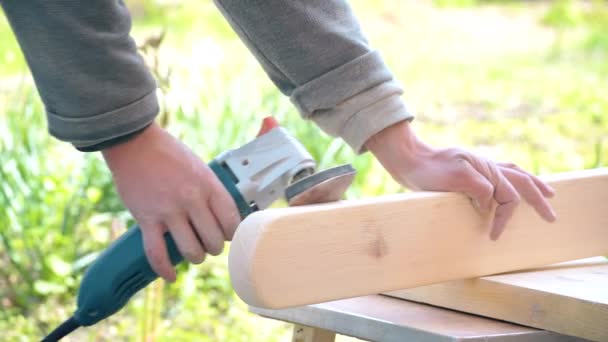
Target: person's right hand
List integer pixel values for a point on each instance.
(166, 187)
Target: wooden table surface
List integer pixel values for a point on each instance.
(383, 318)
(570, 298)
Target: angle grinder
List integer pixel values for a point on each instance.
(274, 164)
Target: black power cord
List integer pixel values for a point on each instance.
(61, 331)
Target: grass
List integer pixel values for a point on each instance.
(518, 81)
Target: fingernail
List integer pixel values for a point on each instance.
(494, 236)
(476, 204)
(495, 232)
(553, 215)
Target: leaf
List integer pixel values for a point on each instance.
(59, 266)
(93, 194)
(44, 287)
(85, 261)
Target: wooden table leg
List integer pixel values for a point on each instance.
(302, 333)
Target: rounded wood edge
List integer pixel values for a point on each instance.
(241, 256)
(255, 288)
(258, 288)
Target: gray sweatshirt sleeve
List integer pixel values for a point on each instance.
(94, 85)
(97, 90)
(315, 52)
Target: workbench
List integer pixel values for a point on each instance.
(387, 319)
(540, 282)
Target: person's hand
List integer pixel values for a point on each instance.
(167, 188)
(420, 167)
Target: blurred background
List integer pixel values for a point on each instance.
(520, 81)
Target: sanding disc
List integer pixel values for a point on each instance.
(325, 186)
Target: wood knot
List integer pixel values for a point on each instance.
(376, 243)
(378, 247)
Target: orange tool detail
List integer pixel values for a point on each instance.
(267, 125)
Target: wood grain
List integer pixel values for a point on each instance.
(294, 256)
(569, 298)
(302, 333)
(386, 319)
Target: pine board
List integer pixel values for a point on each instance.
(287, 257)
(569, 298)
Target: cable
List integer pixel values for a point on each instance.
(61, 331)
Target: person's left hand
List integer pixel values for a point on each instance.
(420, 167)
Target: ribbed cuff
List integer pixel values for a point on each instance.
(337, 85)
(112, 142)
(372, 119)
(86, 132)
(354, 101)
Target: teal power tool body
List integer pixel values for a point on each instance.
(256, 174)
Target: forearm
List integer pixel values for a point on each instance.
(94, 85)
(316, 53)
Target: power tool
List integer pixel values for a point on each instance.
(274, 164)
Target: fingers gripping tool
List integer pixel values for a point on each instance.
(255, 175)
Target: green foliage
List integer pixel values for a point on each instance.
(541, 106)
(11, 59)
(563, 14)
(586, 25)
(454, 3)
(56, 211)
(474, 3)
(597, 21)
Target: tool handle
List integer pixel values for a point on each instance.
(123, 268)
(118, 273)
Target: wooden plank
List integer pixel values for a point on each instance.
(569, 298)
(302, 333)
(386, 319)
(311, 254)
